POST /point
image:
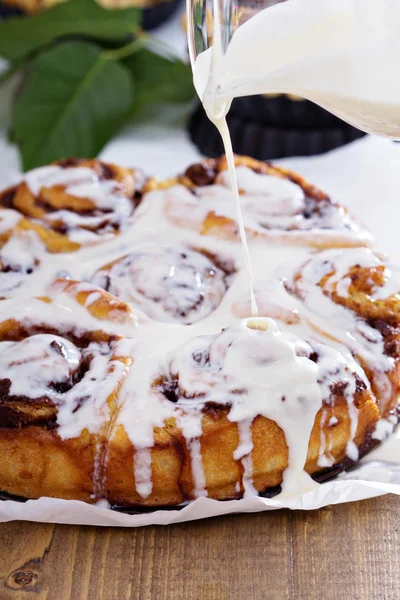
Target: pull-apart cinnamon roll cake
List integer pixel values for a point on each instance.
(132, 367)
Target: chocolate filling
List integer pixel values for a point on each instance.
(70, 162)
(202, 174)
(11, 419)
(169, 389)
(20, 411)
(7, 198)
(390, 333)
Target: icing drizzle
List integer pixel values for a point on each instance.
(185, 354)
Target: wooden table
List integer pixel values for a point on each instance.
(348, 552)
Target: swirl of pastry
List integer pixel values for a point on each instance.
(47, 379)
(75, 202)
(33, 373)
(62, 365)
(276, 204)
(354, 297)
(272, 408)
(173, 284)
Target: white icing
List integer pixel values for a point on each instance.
(111, 206)
(8, 220)
(196, 462)
(47, 366)
(19, 258)
(384, 428)
(243, 453)
(20, 251)
(85, 405)
(268, 195)
(254, 370)
(324, 459)
(143, 481)
(103, 503)
(222, 127)
(170, 284)
(389, 450)
(53, 175)
(36, 361)
(266, 364)
(278, 196)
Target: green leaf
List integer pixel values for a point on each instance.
(159, 79)
(21, 36)
(74, 101)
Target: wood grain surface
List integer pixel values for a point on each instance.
(347, 552)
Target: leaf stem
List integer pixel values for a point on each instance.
(128, 49)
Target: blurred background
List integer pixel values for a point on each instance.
(50, 47)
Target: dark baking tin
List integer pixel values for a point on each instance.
(281, 111)
(299, 136)
(156, 15)
(8, 11)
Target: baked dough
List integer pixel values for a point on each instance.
(131, 367)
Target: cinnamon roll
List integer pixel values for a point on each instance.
(173, 284)
(233, 405)
(354, 297)
(58, 396)
(75, 202)
(276, 203)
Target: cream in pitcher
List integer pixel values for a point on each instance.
(343, 55)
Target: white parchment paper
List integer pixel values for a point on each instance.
(365, 176)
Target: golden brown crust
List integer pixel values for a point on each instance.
(105, 306)
(35, 458)
(120, 486)
(36, 462)
(171, 463)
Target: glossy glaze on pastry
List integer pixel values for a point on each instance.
(131, 367)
